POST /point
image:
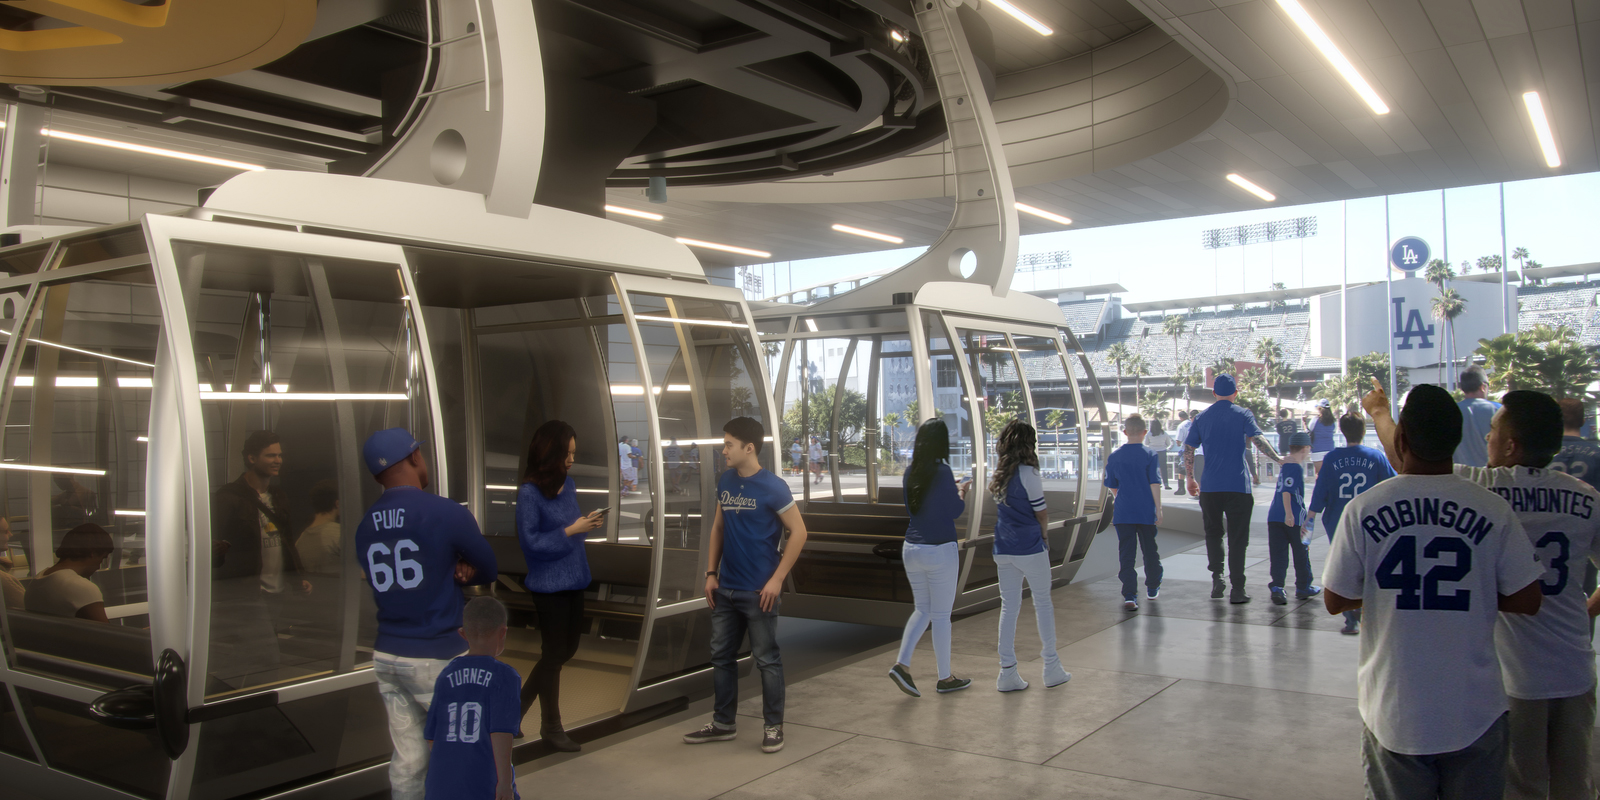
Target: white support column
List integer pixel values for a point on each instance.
(19, 165)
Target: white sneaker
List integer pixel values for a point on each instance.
(1009, 680)
(1055, 675)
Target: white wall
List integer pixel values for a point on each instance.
(76, 195)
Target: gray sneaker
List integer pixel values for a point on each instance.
(1238, 596)
(772, 738)
(711, 733)
(953, 684)
(902, 680)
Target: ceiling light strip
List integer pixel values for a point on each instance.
(1244, 183)
(632, 212)
(726, 248)
(882, 237)
(720, 323)
(323, 396)
(62, 470)
(151, 151)
(1330, 51)
(85, 352)
(1039, 212)
(1022, 17)
(1541, 128)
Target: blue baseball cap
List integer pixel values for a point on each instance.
(386, 448)
(1224, 386)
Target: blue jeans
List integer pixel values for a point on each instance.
(932, 570)
(1475, 772)
(739, 612)
(1283, 540)
(1035, 569)
(1131, 537)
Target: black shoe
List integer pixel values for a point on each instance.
(557, 737)
(772, 738)
(710, 733)
(1238, 597)
(1218, 588)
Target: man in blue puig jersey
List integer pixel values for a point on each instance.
(416, 549)
(1346, 472)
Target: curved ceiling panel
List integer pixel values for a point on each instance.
(1128, 100)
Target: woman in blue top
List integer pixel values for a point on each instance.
(931, 556)
(1021, 553)
(1321, 437)
(551, 530)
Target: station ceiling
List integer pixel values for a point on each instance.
(770, 130)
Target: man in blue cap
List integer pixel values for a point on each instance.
(416, 549)
(1224, 486)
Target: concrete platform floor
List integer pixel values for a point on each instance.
(1186, 698)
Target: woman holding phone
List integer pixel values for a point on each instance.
(551, 530)
(931, 555)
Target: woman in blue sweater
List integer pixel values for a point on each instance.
(551, 530)
(931, 555)
(1021, 553)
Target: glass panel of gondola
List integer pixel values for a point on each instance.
(949, 399)
(1001, 398)
(1095, 431)
(896, 409)
(78, 406)
(1055, 415)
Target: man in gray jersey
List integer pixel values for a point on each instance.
(1547, 661)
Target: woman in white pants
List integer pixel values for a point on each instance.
(1021, 552)
(931, 554)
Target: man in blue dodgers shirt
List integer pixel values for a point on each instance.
(1224, 487)
(1346, 472)
(744, 578)
(415, 548)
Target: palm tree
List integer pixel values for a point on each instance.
(1269, 352)
(1438, 273)
(1446, 307)
(1521, 255)
(1279, 303)
(1173, 326)
(1119, 354)
(1187, 375)
(1139, 368)
(1491, 263)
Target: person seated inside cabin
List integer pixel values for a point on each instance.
(65, 590)
(73, 505)
(11, 591)
(321, 544)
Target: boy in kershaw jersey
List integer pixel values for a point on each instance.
(416, 549)
(475, 713)
(1346, 472)
(744, 578)
(1547, 661)
(1431, 559)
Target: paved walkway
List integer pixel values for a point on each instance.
(1187, 698)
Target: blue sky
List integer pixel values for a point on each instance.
(1553, 217)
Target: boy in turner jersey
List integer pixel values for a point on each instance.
(744, 577)
(1432, 560)
(476, 711)
(1546, 660)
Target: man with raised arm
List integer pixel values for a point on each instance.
(1547, 660)
(416, 549)
(1431, 559)
(1225, 430)
(744, 577)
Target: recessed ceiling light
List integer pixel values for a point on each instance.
(1331, 51)
(629, 212)
(1022, 16)
(1039, 212)
(896, 35)
(151, 151)
(1541, 128)
(726, 248)
(882, 237)
(1240, 181)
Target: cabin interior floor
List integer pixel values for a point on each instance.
(1188, 697)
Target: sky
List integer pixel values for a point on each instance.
(1552, 217)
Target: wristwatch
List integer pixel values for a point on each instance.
(711, 573)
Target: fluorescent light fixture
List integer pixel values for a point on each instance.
(22, 381)
(720, 323)
(632, 212)
(594, 491)
(76, 382)
(86, 352)
(882, 237)
(896, 35)
(1039, 212)
(205, 387)
(1021, 16)
(1541, 128)
(1330, 51)
(726, 248)
(128, 512)
(62, 470)
(276, 387)
(135, 383)
(677, 387)
(1241, 182)
(144, 439)
(150, 151)
(499, 487)
(323, 396)
(811, 325)
(627, 389)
